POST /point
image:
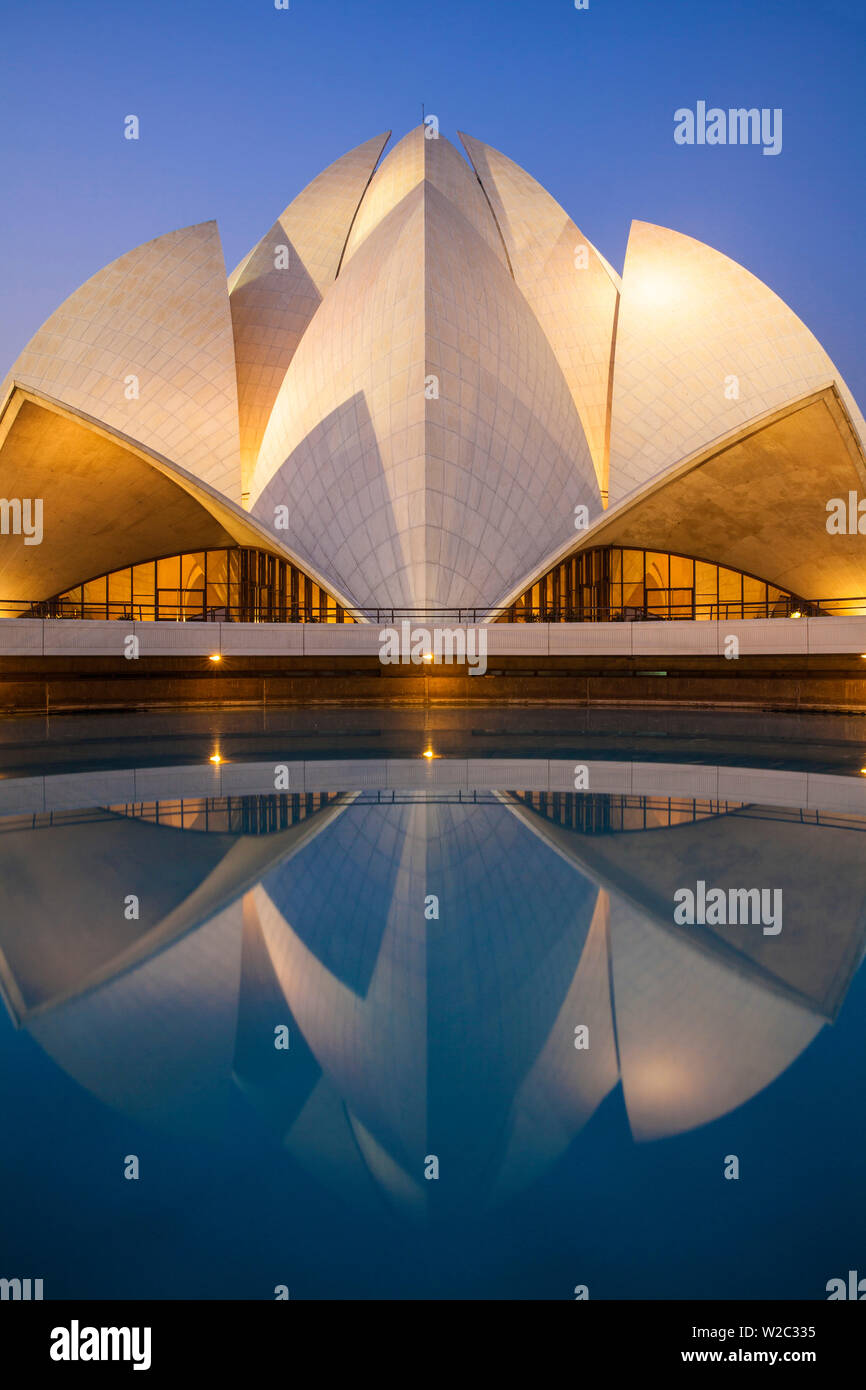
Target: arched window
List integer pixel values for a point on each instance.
(235, 584)
(617, 583)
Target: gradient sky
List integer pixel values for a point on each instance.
(241, 105)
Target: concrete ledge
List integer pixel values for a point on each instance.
(519, 639)
(22, 796)
(836, 635)
(493, 774)
(675, 639)
(813, 791)
(761, 784)
(265, 639)
(175, 783)
(169, 639)
(21, 636)
(340, 639)
(779, 682)
(257, 779)
(71, 790)
(756, 636)
(672, 779)
(764, 636)
(613, 777)
(571, 639)
(364, 774)
(61, 638)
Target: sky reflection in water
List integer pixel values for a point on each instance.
(434, 933)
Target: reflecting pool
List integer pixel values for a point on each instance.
(452, 1004)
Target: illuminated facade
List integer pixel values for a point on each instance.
(234, 584)
(403, 396)
(613, 584)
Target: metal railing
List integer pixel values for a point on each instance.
(649, 612)
(266, 813)
(725, 611)
(162, 612)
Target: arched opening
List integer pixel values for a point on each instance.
(229, 584)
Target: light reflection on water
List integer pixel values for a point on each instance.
(475, 964)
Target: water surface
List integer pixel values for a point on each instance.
(471, 962)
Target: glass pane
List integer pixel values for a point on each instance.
(192, 584)
(168, 588)
(217, 579)
(705, 582)
(778, 601)
(657, 570)
(168, 573)
(119, 594)
(192, 571)
(70, 604)
(94, 598)
(143, 580)
(706, 590)
(192, 603)
(632, 566)
(217, 567)
(143, 593)
(730, 585)
(615, 565)
(633, 595)
(294, 593)
(682, 572)
(754, 597)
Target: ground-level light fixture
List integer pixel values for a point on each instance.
(216, 657)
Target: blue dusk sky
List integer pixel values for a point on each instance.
(242, 104)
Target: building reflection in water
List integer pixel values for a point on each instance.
(432, 952)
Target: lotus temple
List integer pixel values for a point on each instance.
(425, 395)
(454, 1035)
